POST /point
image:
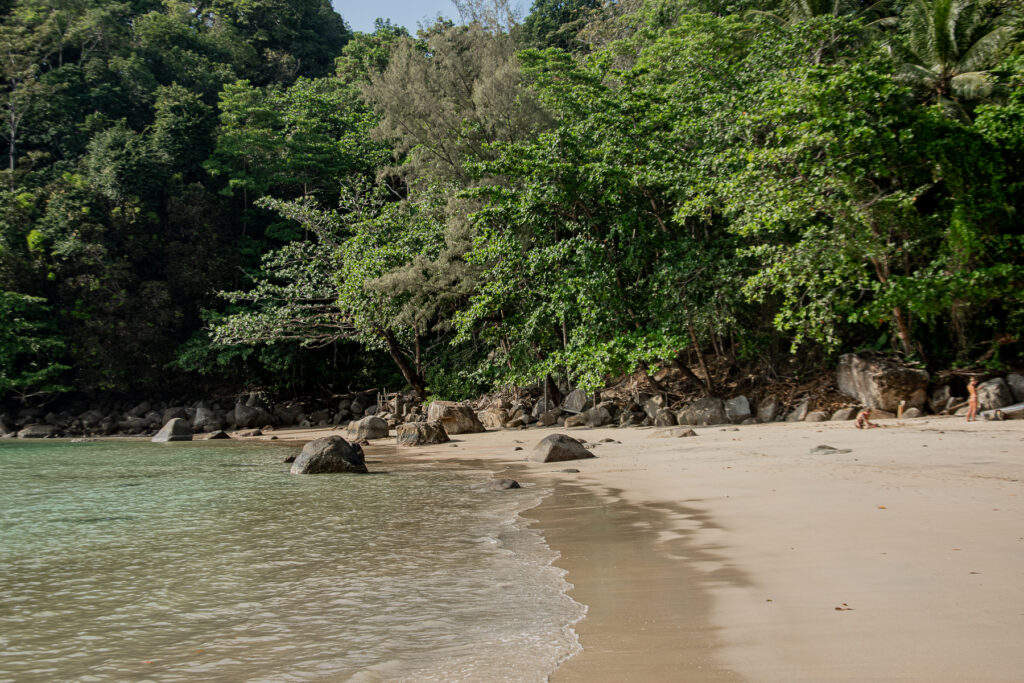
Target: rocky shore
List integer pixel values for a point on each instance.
(885, 388)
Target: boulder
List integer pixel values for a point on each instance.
(178, 429)
(251, 416)
(141, 409)
(767, 409)
(502, 484)
(249, 433)
(1016, 383)
(38, 431)
(575, 421)
(320, 418)
(133, 425)
(329, 454)
(91, 418)
(543, 406)
(421, 433)
(913, 413)
(457, 418)
(219, 434)
(674, 433)
(206, 420)
(844, 414)
(558, 448)
(492, 418)
(737, 409)
(600, 415)
(653, 404)
(368, 428)
(939, 398)
(881, 384)
(705, 411)
(631, 418)
(288, 414)
(817, 416)
(549, 418)
(361, 403)
(799, 414)
(665, 418)
(876, 414)
(993, 394)
(576, 402)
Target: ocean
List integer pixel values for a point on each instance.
(132, 561)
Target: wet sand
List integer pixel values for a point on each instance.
(740, 555)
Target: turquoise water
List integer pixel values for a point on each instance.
(131, 561)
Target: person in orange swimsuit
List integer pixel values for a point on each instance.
(972, 400)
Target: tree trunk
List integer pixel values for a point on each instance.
(414, 379)
(688, 373)
(904, 330)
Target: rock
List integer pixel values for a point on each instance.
(939, 398)
(248, 433)
(320, 418)
(549, 418)
(206, 420)
(576, 402)
(876, 414)
(290, 459)
(1014, 412)
(457, 418)
(133, 425)
(140, 410)
(289, 414)
(825, 449)
(665, 418)
(177, 429)
(600, 415)
(652, 405)
(737, 409)
(674, 433)
(251, 416)
(995, 393)
(575, 421)
(91, 418)
(817, 416)
(881, 384)
(631, 418)
(38, 431)
(217, 435)
(542, 407)
(519, 422)
(705, 411)
(570, 471)
(368, 428)
(844, 414)
(330, 454)
(767, 409)
(371, 410)
(361, 403)
(799, 414)
(1016, 383)
(421, 433)
(913, 413)
(502, 484)
(558, 448)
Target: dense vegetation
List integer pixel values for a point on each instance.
(246, 194)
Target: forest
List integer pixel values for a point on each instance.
(246, 195)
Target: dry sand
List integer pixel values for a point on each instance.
(740, 555)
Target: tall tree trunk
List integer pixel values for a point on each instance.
(414, 378)
(904, 330)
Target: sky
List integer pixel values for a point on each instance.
(359, 14)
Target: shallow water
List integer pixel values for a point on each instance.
(205, 561)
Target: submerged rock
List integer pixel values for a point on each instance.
(503, 484)
(330, 454)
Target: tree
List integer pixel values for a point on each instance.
(949, 47)
(556, 23)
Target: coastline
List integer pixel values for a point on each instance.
(740, 555)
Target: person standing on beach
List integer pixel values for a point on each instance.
(972, 400)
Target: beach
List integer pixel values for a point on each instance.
(739, 554)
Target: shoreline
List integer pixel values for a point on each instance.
(740, 555)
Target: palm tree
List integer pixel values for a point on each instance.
(949, 45)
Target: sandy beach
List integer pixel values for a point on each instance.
(740, 555)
